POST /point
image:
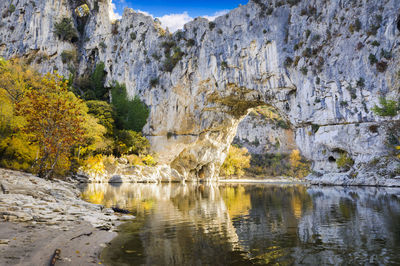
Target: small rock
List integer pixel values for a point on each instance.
(106, 227)
(126, 218)
(4, 241)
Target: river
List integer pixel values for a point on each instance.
(239, 224)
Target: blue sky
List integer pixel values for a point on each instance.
(194, 8)
(173, 13)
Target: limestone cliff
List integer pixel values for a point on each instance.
(322, 64)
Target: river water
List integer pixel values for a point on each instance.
(237, 224)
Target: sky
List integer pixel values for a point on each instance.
(173, 13)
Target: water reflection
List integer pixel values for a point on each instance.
(252, 224)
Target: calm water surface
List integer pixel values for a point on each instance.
(252, 224)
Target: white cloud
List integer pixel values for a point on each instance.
(175, 22)
(216, 14)
(114, 15)
(145, 13)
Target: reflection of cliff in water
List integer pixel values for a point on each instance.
(247, 224)
(182, 224)
(350, 225)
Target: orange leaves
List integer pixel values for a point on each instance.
(55, 117)
(41, 118)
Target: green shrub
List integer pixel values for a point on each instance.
(65, 29)
(304, 70)
(314, 128)
(190, 43)
(372, 59)
(386, 54)
(388, 107)
(293, 2)
(282, 124)
(361, 83)
(381, 66)
(171, 60)
(131, 142)
(68, 56)
(211, 25)
(103, 45)
(154, 82)
(316, 38)
(156, 56)
(307, 52)
(11, 8)
(375, 43)
(356, 26)
(344, 161)
(308, 33)
(133, 36)
(224, 65)
(288, 62)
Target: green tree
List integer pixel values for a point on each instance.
(131, 142)
(97, 81)
(130, 114)
(65, 29)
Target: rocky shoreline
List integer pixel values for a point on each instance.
(39, 216)
(344, 179)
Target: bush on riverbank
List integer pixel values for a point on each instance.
(279, 165)
(236, 161)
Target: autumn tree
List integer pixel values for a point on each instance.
(298, 168)
(16, 152)
(55, 121)
(236, 160)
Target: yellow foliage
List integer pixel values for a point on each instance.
(295, 158)
(140, 160)
(96, 197)
(94, 136)
(134, 159)
(17, 78)
(236, 200)
(149, 160)
(235, 162)
(41, 121)
(297, 167)
(94, 165)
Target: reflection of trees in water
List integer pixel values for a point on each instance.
(184, 225)
(270, 225)
(206, 224)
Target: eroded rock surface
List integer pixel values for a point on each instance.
(322, 64)
(53, 203)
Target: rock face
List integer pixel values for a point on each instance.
(320, 68)
(260, 135)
